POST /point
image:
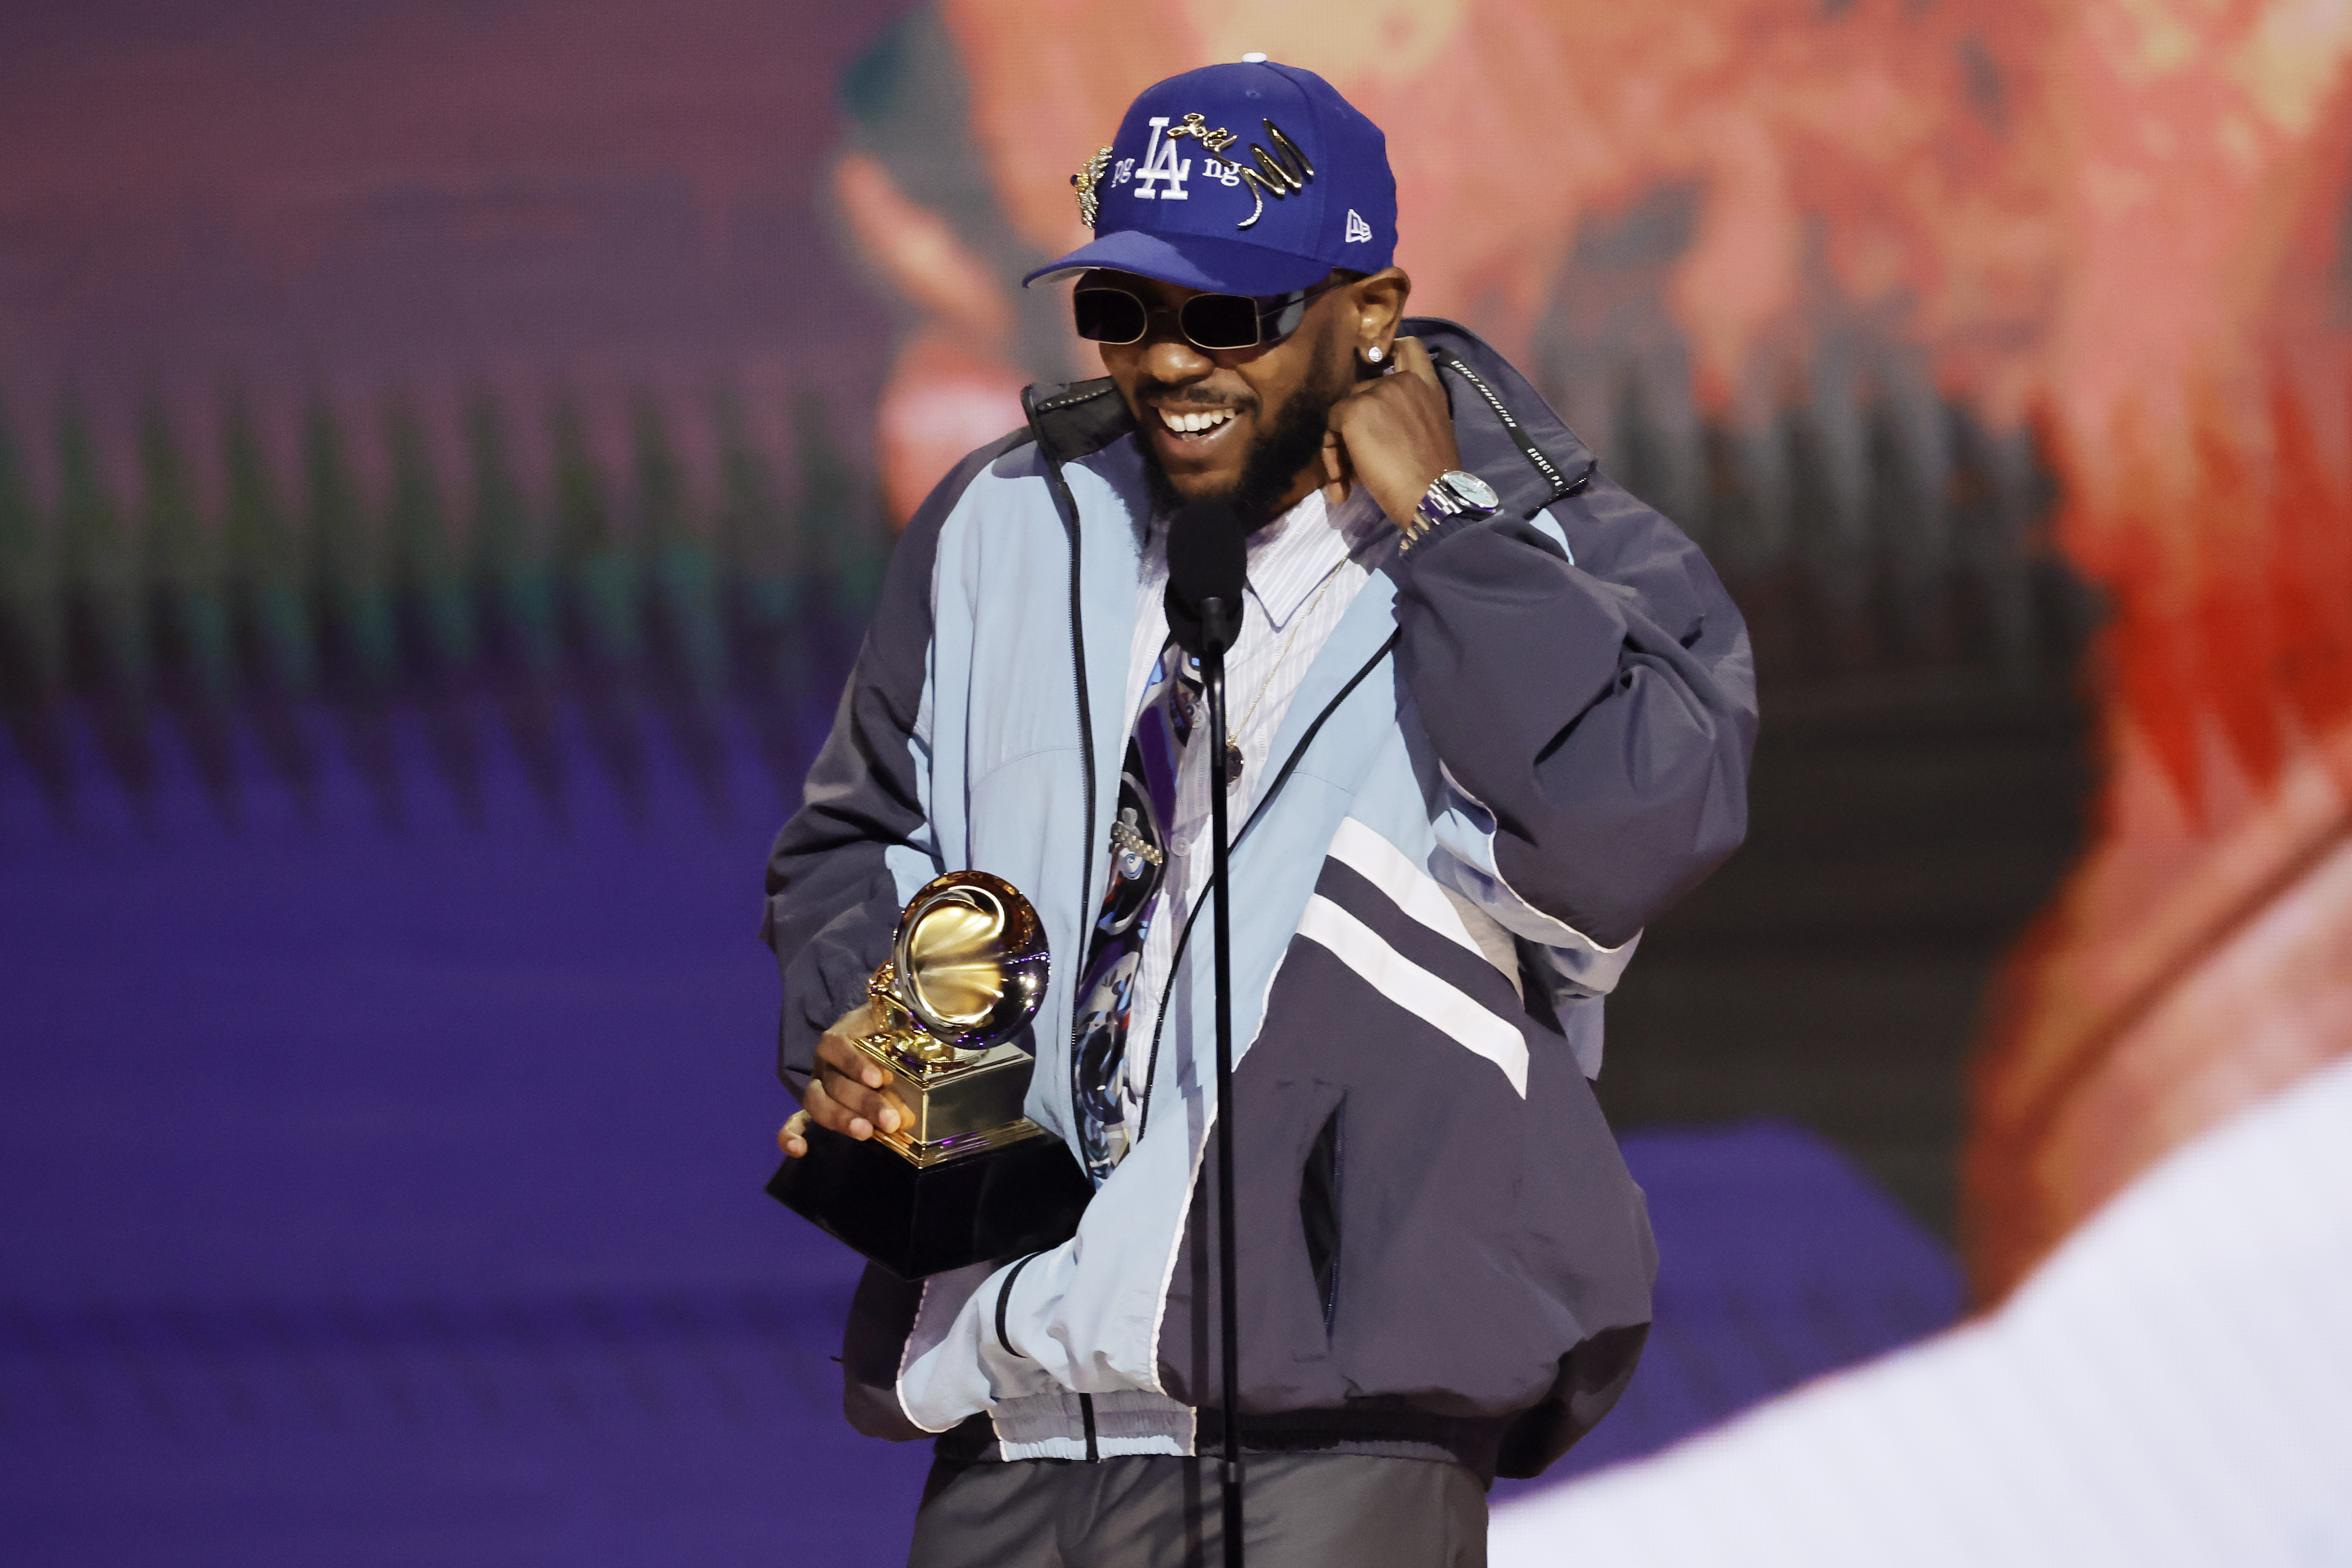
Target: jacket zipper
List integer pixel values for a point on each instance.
(1069, 508)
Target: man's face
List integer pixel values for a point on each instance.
(1243, 425)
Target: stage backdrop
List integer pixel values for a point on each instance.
(426, 424)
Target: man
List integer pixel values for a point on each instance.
(1491, 715)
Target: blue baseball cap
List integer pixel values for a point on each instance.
(1242, 178)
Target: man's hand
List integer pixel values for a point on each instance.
(1393, 435)
(846, 1094)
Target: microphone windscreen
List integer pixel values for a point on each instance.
(1208, 558)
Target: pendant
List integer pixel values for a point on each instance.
(1234, 765)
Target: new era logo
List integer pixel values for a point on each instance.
(1358, 231)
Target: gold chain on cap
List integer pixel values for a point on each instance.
(1277, 173)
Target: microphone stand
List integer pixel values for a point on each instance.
(1220, 626)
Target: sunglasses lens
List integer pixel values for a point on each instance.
(1220, 321)
(1108, 315)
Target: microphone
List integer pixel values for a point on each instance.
(1208, 561)
(1207, 565)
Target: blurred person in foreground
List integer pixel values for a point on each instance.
(1491, 716)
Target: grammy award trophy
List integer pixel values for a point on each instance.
(965, 1177)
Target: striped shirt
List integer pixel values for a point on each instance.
(1305, 569)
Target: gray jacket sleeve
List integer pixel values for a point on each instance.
(1602, 709)
(833, 895)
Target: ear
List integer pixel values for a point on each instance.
(1379, 304)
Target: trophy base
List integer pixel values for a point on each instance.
(923, 1156)
(934, 1208)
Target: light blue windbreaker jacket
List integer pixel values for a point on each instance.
(1526, 737)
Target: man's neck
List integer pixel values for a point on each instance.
(1304, 483)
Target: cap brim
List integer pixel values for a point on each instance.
(1193, 261)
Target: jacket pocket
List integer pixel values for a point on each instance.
(1318, 1209)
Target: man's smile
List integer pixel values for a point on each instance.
(1198, 422)
(1189, 436)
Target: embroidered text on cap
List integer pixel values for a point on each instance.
(1277, 173)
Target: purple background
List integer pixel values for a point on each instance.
(381, 1197)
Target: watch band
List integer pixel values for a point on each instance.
(1452, 494)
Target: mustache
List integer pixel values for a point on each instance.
(1157, 394)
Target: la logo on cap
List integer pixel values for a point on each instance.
(1275, 179)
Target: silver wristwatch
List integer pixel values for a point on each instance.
(1456, 492)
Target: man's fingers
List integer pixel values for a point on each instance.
(855, 1074)
(835, 1053)
(1416, 361)
(1398, 432)
(792, 1137)
(846, 1093)
(861, 1102)
(827, 1112)
(1335, 467)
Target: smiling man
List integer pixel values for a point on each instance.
(1492, 714)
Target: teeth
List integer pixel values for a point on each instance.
(1193, 423)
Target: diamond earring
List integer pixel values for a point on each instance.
(1373, 353)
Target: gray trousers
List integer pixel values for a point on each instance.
(1151, 1511)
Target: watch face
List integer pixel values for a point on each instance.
(1472, 489)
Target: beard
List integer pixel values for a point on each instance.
(1291, 439)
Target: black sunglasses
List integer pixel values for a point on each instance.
(1210, 321)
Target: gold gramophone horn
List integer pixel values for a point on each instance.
(967, 968)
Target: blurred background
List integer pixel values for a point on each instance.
(447, 451)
